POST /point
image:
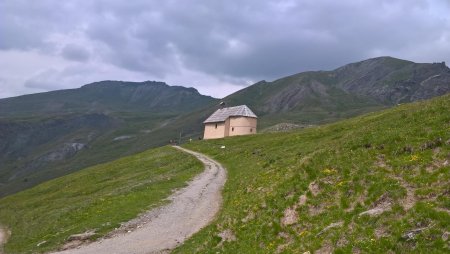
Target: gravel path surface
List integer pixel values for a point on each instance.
(164, 228)
(3, 237)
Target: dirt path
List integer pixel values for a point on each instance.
(3, 237)
(191, 209)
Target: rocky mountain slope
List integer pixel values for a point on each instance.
(46, 135)
(393, 81)
(323, 96)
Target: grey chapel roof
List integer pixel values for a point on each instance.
(222, 114)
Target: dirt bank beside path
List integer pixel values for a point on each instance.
(162, 229)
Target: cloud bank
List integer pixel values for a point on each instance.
(215, 46)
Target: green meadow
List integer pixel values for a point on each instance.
(310, 190)
(97, 198)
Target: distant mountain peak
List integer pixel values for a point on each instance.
(108, 96)
(384, 61)
(123, 83)
(105, 84)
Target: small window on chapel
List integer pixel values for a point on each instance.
(216, 126)
(251, 130)
(232, 128)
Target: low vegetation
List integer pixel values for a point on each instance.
(378, 183)
(96, 199)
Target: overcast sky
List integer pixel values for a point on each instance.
(217, 47)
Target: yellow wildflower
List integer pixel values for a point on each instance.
(414, 157)
(341, 183)
(329, 171)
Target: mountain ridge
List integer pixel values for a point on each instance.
(105, 96)
(144, 116)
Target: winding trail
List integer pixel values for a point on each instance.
(191, 208)
(3, 237)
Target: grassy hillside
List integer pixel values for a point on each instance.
(377, 183)
(36, 151)
(99, 197)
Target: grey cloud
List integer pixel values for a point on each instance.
(26, 24)
(314, 36)
(232, 40)
(44, 80)
(40, 84)
(75, 53)
(276, 40)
